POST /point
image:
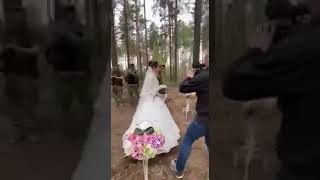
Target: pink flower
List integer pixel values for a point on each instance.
(146, 143)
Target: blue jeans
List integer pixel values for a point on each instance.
(195, 131)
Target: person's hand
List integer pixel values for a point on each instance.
(262, 37)
(191, 73)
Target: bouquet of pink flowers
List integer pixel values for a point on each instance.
(145, 143)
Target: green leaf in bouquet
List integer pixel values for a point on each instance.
(138, 131)
(149, 130)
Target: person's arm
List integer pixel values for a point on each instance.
(192, 84)
(279, 71)
(117, 77)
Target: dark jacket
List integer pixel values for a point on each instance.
(200, 85)
(289, 71)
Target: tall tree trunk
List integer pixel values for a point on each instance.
(125, 15)
(213, 39)
(170, 39)
(205, 27)
(146, 31)
(138, 38)
(197, 30)
(165, 48)
(114, 43)
(176, 61)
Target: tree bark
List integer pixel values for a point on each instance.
(146, 32)
(138, 39)
(114, 44)
(219, 37)
(125, 14)
(197, 30)
(176, 42)
(170, 39)
(205, 27)
(165, 48)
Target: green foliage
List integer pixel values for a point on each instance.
(122, 24)
(157, 36)
(131, 14)
(157, 44)
(185, 35)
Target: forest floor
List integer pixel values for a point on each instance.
(123, 168)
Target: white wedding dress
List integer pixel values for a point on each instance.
(152, 111)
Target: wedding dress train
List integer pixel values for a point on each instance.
(152, 111)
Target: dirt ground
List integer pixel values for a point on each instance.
(124, 169)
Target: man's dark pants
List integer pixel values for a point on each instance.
(196, 130)
(133, 91)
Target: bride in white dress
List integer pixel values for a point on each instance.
(152, 111)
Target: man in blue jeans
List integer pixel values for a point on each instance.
(199, 127)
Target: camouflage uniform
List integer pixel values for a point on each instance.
(133, 83)
(117, 86)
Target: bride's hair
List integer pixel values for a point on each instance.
(153, 64)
